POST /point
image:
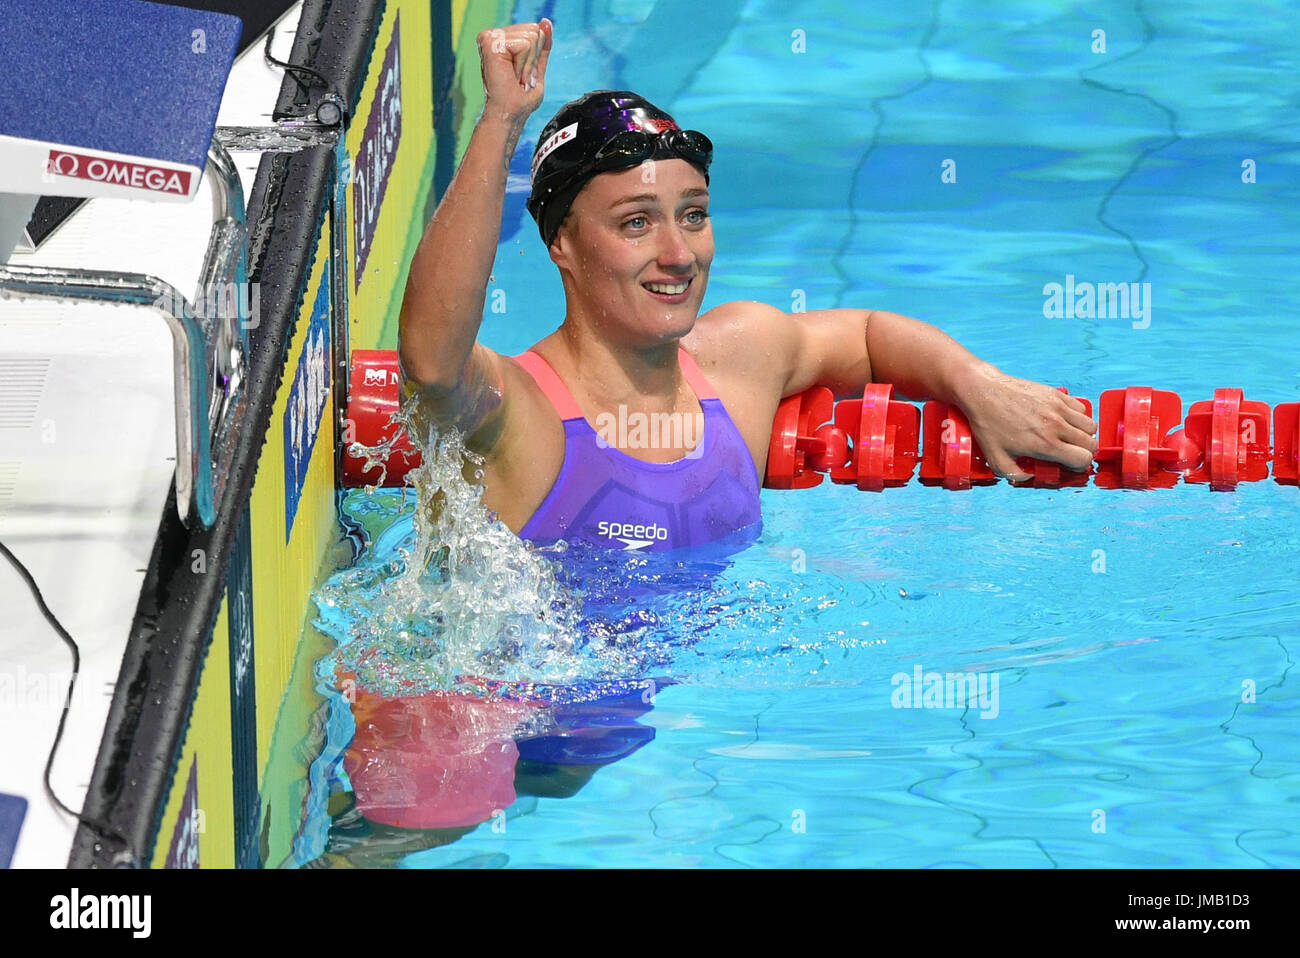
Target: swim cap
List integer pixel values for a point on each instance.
(601, 131)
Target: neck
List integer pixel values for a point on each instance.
(623, 373)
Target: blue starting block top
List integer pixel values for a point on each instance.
(125, 80)
(12, 811)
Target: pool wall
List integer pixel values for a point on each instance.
(197, 765)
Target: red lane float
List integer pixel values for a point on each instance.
(794, 443)
(950, 456)
(1231, 434)
(872, 442)
(1286, 432)
(1134, 427)
(884, 433)
(374, 394)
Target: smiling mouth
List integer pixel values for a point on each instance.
(668, 289)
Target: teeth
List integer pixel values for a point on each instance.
(665, 288)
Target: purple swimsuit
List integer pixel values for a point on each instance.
(605, 496)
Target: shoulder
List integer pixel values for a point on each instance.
(740, 318)
(745, 336)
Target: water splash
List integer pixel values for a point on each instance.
(446, 598)
(449, 598)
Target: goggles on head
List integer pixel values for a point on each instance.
(636, 146)
(632, 147)
(630, 129)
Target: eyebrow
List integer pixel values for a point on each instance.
(653, 198)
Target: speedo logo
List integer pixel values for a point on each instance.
(633, 536)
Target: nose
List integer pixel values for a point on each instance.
(674, 253)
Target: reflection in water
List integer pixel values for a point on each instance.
(424, 770)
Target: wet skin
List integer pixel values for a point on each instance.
(616, 349)
(618, 345)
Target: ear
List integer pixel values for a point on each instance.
(561, 248)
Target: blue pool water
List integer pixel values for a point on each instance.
(1141, 641)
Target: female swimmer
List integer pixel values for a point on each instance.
(620, 196)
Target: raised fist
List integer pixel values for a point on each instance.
(514, 66)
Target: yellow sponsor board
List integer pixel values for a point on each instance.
(390, 146)
(475, 16)
(399, 225)
(211, 819)
(291, 510)
(293, 524)
(288, 544)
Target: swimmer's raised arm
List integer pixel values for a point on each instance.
(445, 288)
(847, 348)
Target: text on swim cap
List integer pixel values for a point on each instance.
(557, 139)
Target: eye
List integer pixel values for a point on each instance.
(636, 222)
(697, 216)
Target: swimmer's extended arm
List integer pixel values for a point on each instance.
(1009, 417)
(847, 348)
(445, 288)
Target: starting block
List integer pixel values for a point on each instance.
(111, 98)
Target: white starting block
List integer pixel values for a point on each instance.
(119, 99)
(110, 97)
(81, 348)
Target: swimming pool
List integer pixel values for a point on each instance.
(1131, 648)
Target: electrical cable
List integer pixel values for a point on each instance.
(104, 831)
(292, 68)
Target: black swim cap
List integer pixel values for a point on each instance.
(584, 139)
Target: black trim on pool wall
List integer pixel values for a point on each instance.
(336, 38)
(154, 697)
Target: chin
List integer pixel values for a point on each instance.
(675, 328)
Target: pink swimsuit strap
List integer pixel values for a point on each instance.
(554, 389)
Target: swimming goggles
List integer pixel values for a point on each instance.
(632, 147)
(636, 146)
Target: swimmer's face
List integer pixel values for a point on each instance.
(631, 241)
